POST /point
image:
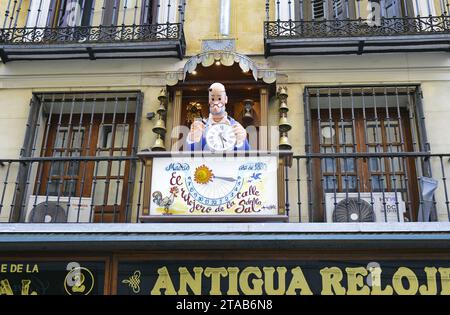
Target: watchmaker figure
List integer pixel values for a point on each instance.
(219, 132)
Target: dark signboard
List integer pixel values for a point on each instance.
(292, 277)
(69, 277)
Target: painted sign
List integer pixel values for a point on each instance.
(51, 278)
(284, 277)
(214, 186)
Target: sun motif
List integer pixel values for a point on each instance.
(203, 175)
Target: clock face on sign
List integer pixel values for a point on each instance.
(213, 186)
(220, 137)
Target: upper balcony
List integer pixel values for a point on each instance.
(325, 27)
(89, 29)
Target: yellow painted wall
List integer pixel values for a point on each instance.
(246, 24)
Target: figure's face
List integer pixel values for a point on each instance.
(217, 101)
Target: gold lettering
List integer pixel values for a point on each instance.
(163, 282)
(35, 268)
(331, 279)
(233, 280)
(4, 268)
(431, 287)
(355, 281)
(375, 273)
(298, 282)
(269, 280)
(412, 280)
(5, 287)
(26, 288)
(186, 279)
(445, 280)
(215, 274)
(257, 283)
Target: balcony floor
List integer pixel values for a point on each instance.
(204, 236)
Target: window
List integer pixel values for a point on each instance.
(88, 139)
(372, 121)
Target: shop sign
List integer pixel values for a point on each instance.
(238, 186)
(288, 277)
(51, 278)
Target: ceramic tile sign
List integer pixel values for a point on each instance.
(238, 186)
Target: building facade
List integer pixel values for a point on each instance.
(345, 103)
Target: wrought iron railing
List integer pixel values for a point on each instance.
(357, 27)
(414, 189)
(93, 34)
(70, 189)
(420, 193)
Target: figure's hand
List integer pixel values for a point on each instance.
(240, 133)
(197, 127)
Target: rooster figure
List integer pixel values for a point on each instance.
(165, 202)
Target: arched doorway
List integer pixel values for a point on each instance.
(248, 89)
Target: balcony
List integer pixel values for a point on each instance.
(90, 30)
(123, 189)
(329, 27)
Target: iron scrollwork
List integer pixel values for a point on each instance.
(92, 34)
(356, 28)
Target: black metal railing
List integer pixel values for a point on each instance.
(93, 34)
(357, 27)
(419, 191)
(321, 27)
(413, 187)
(97, 28)
(93, 190)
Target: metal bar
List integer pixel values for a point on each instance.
(61, 180)
(404, 149)
(28, 14)
(392, 167)
(289, 10)
(286, 188)
(141, 181)
(299, 202)
(301, 10)
(43, 153)
(278, 10)
(335, 163)
(267, 11)
(132, 172)
(24, 169)
(17, 14)
(319, 135)
(88, 149)
(169, 6)
(307, 118)
(135, 12)
(444, 181)
(355, 149)
(120, 162)
(379, 146)
(97, 151)
(7, 11)
(80, 164)
(5, 184)
(125, 7)
(366, 141)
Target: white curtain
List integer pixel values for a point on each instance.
(37, 17)
(163, 11)
(282, 10)
(424, 7)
